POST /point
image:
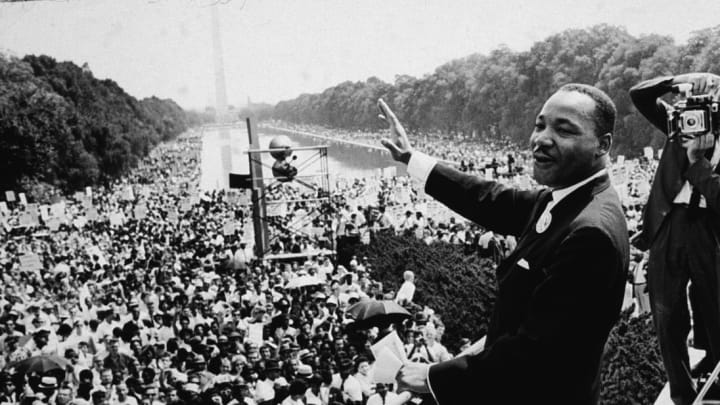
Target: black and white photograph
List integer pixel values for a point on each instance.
(359, 202)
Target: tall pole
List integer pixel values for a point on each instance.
(259, 213)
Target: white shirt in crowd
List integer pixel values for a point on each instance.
(406, 292)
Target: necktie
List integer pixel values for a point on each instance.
(543, 223)
(694, 204)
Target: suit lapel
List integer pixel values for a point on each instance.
(533, 245)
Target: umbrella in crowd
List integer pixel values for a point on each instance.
(371, 313)
(43, 364)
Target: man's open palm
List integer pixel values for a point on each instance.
(398, 145)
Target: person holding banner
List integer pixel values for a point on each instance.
(681, 227)
(560, 291)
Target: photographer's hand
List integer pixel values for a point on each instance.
(696, 146)
(702, 83)
(399, 145)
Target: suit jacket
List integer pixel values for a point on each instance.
(559, 293)
(673, 170)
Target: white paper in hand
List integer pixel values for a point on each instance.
(393, 343)
(390, 356)
(386, 366)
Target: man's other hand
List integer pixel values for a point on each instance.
(702, 83)
(399, 145)
(413, 377)
(696, 146)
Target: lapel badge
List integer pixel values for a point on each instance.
(543, 222)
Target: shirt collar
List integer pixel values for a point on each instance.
(561, 193)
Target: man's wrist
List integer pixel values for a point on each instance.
(419, 166)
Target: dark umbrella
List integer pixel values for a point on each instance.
(371, 313)
(44, 364)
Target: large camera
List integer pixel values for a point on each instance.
(694, 115)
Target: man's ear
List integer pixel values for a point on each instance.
(604, 144)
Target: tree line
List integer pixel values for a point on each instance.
(496, 96)
(61, 127)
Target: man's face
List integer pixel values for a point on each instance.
(122, 391)
(106, 377)
(564, 142)
(64, 396)
(151, 394)
(8, 386)
(364, 368)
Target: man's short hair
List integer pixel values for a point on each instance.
(605, 112)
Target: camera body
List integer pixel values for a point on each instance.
(693, 116)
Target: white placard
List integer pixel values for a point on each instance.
(140, 212)
(53, 224)
(30, 262)
(255, 333)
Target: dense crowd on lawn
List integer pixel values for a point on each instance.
(148, 290)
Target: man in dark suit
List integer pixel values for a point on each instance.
(681, 227)
(560, 291)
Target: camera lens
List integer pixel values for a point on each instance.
(691, 122)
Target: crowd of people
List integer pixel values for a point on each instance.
(149, 291)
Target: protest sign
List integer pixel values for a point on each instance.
(26, 219)
(92, 214)
(173, 216)
(53, 224)
(255, 333)
(140, 211)
(185, 205)
(116, 219)
(30, 262)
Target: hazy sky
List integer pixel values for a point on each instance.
(278, 49)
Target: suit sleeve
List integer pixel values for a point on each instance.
(646, 98)
(494, 206)
(569, 316)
